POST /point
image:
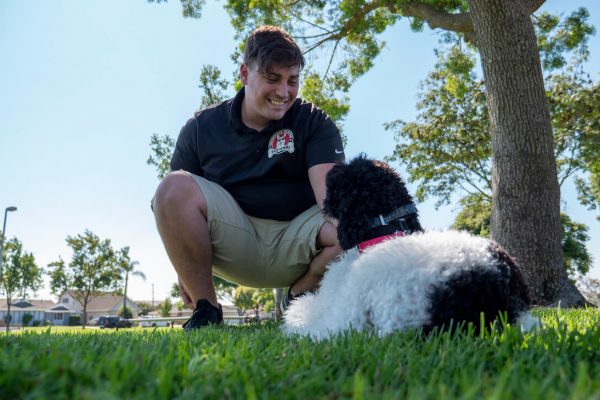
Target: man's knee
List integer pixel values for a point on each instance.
(178, 189)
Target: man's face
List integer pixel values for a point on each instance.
(268, 95)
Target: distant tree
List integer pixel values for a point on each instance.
(145, 308)
(165, 307)
(243, 298)
(180, 306)
(126, 267)
(577, 259)
(212, 85)
(266, 299)
(175, 291)
(27, 318)
(224, 289)
(126, 313)
(246, 298)
(20, 274)
(93, 268)
(161, 150)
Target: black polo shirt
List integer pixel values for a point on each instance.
(266, 172)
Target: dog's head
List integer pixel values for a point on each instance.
(358, 192)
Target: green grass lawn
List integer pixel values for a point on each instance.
(562, 361)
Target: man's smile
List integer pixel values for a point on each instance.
(277, 102)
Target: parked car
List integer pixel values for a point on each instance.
(110, 321)
(151, 322)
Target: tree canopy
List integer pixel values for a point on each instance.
(19, 275)
(93, 268)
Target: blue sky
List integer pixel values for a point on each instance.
(84, 84)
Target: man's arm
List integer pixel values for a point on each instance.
(185, 154)
(316, 175)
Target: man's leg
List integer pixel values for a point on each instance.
(330, 248)
(181, 213)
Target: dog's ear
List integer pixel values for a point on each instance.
(336, 182)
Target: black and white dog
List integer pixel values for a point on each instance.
(394, 276)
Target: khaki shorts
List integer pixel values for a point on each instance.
(258, 252)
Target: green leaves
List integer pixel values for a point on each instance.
(574, 236)
(558, 39)
(162, 148)
(165, 307)
(190, 8)
(94, 267)
(20, 273)
(223, 288)
(323, 94)
(448, 149)
(246, 298)
(212, 85)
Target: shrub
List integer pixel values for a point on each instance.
(27, 319)
(125, 313)
(74, 320)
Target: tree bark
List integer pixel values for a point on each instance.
(526, 195)
(278, 297)
(8, 315)
(125, 295)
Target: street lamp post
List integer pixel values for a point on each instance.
(3, 235)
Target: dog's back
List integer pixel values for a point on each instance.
(419, 281)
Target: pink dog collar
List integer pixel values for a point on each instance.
(362, 246)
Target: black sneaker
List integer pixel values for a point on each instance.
(204, 314)
(285, 301)
(289, 297)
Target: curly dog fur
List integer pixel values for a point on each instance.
(419, 280)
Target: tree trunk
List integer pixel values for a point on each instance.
(84, 320)
(526, 195)
(125, 295)
(278, 297)
(8, 316)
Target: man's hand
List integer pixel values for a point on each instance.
(187, 300)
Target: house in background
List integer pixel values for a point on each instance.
(41, 310)
(104, 303)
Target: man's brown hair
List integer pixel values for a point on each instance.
(269, 45)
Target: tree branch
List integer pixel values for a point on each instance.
(330, 62)
(460, 22)
(351, 23)
(435, 18)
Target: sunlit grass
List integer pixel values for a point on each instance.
(561, 361)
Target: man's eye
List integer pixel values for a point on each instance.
(272, 80)
(293, 83)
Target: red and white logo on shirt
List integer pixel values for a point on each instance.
(280, 142)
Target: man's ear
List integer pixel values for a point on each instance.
(244, 74)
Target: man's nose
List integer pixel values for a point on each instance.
(282, 90)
